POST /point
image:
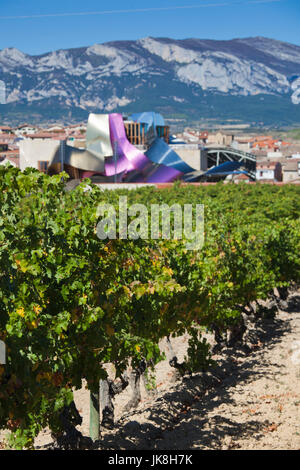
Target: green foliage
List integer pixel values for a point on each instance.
(71, 303)
(150, 380)
(198, 354)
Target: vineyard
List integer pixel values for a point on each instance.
(72, 303)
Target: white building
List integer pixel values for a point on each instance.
(37, 154)
(268, 171)
(25, 129)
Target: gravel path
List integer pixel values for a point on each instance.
(254, 402)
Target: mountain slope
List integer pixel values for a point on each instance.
(252, 79)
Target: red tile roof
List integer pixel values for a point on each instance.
(46, 135)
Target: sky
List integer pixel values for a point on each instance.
(37, 27)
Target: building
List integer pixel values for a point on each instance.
(274, 155)
(55, 128)
(41, 136)
(270, 144)
(241, 178)
(292, 150)
(268, 171)
(3, 146)
(242, 143)
(7, 139)
(9, 154)
(190, 137)
(192, 155)
(137, 133)
(10, 159)
(77, 140)
(203, 136)
(5, 130)
(37, 153)
(80, 127)
(291, 170)
(25, 129)
(220, 138)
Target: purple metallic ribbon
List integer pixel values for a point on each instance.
(129, 157)
(163, 174)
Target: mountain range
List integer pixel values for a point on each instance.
(251, 80)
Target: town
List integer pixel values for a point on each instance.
(276, 159)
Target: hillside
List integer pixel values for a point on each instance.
(253, 80)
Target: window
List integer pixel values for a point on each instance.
(43, 166)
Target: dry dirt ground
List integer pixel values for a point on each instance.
(250, 401)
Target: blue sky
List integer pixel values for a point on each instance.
(36, 27)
